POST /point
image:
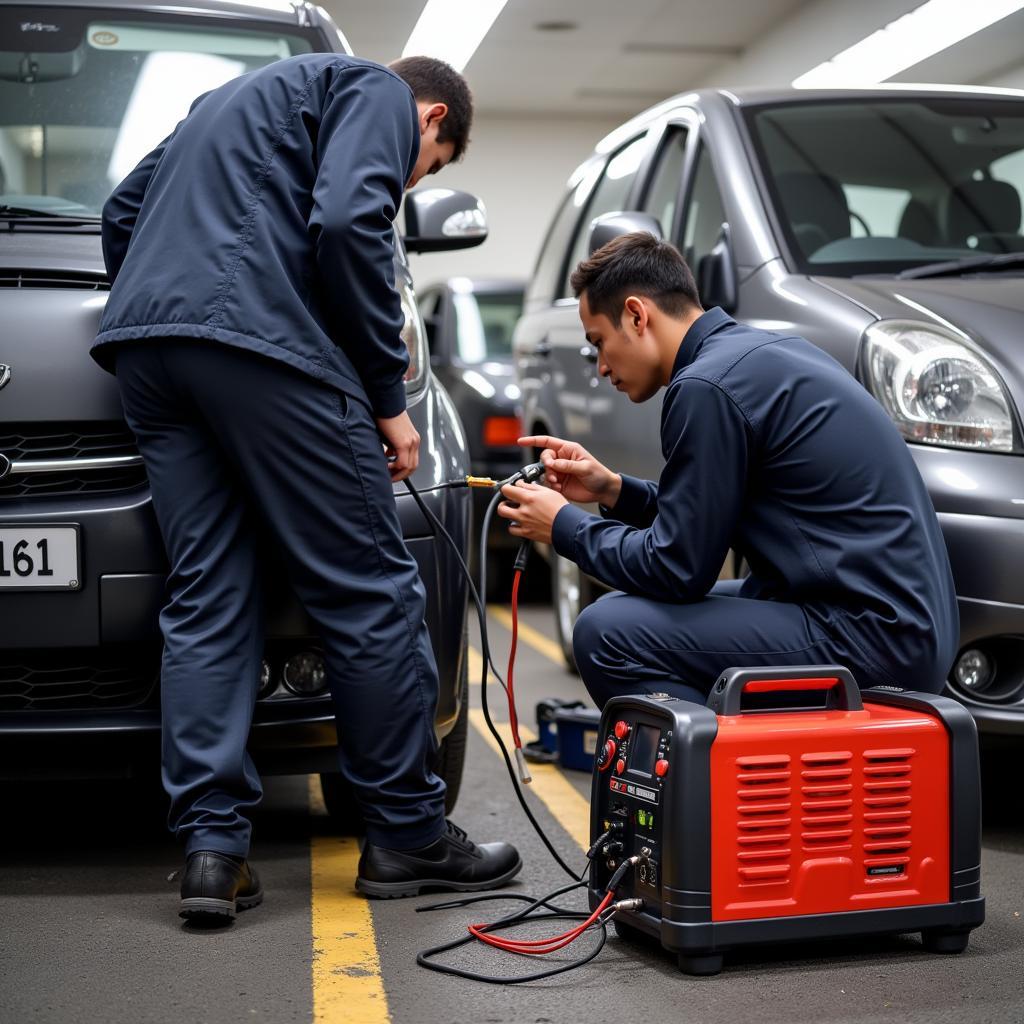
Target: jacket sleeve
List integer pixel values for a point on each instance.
(121, 210)
(367, 146)
(637, 504)
(699, 497)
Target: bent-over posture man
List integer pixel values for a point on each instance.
(254, 326)
(771, 448)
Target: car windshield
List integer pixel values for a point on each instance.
(879, 187)
(485, 323)
(85, 94)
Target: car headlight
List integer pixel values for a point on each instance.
(415, 337)
(936, 388)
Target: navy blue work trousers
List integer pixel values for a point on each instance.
(625, 644)
(230, 440)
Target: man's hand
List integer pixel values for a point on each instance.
(403, 442)
(537, 509)
(574, 472)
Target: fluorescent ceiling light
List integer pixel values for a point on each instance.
(901, 44)
(452, 29)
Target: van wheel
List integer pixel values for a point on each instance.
(340, 801)
(571, 592)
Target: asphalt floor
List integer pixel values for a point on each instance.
(89, 929)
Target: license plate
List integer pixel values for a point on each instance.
(39, 558)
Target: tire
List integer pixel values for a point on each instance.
(571, 592)
(340, 801)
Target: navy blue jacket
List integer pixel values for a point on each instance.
(265, 222)
(773, 449)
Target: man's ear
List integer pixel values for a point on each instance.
(431, 113)
(635, 314)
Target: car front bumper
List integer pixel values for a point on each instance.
(979, 497)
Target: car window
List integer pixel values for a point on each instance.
(104, 91)
(882, 187)
(705, 213)
(428, 302)
(663, 191)
(610, 195)
(485, 322)
(549, 263)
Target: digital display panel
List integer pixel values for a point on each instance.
(645, 745)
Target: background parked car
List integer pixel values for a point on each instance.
(469, 325)
(80, 648)
(885, 226)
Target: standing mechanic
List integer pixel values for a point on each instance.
(254, 327)
(770, 448)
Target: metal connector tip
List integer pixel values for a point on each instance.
(524, 772)
(480, 481)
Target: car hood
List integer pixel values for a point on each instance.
(989, 309)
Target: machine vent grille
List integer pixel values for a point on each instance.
(826, 789)
(887, 810)
(764, 795)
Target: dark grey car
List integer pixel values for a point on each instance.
(469, 325)
(885, 226)
(84, 92)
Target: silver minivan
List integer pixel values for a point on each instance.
(885, 226)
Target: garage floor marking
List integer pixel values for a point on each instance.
(537, 640)
(347, 983)
(557, 793)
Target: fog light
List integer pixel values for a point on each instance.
(974, 670)
(305, 674)
(266, 679)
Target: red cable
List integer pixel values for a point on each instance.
(512, 716)
(537, 947)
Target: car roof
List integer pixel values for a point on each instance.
(487, 284)
(279, 11)
(754, 96)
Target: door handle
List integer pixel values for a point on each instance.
(589, 353)
(543, 348)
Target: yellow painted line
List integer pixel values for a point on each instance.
(537, 640)
(556, 792)
(347, 983)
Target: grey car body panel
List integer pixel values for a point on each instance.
(46, 338)
(979, 496)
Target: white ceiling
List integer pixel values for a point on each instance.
(622, 57)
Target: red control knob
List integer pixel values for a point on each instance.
(605, 760)
(661, 767)
(621, 729)
(620, 766)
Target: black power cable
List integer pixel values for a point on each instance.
(438, 527)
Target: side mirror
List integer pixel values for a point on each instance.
(716, 275)
(611, 225)
(441, 219)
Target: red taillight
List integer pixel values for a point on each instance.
(502, 431)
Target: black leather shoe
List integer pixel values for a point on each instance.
(214, 887)
(453, 863)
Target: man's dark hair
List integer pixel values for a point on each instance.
(636, 264)
(434, 81)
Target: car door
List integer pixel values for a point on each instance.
(573, 358)
(623, 434)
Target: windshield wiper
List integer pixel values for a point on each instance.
(27, 213)
(969, 264)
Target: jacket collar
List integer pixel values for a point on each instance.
(701, 328)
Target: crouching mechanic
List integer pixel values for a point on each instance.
(255, 331)
(771, 448)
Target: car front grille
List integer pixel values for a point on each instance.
(77, 680)
(66, 444)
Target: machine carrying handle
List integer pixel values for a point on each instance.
(727, 694)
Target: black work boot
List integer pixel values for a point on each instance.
(453, 863)
(215, 885)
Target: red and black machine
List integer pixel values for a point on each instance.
(792, 807)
